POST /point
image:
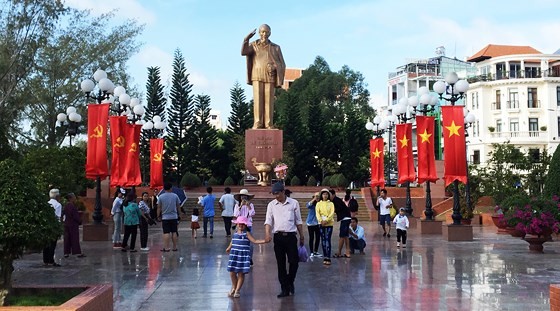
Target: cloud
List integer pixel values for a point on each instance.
(127, 9)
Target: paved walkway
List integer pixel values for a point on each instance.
(495, 272)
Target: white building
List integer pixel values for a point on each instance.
(216, 119)
(515, 95)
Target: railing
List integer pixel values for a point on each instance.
(527, 134)
(533, 104)
(512, 104)
(516, 74)
(496, 105)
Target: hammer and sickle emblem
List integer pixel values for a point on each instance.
(119, 142)
(133, 147)
(97, 132)
(157, 157)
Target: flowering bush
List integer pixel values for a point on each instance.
(281, 170)
(538, 217)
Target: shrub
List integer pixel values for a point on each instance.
(552, 182)
(295, 181)
(212, 181)
(341, 181)
(312, 182)
(326, 181)
(229, 181)
(190, 180)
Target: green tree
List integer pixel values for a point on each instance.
(60, 65)
(181, 120)
(156, 107)
(36, 224)
(240, 119)
(552, 183)
(205, 139)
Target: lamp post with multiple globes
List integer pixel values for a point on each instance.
(69, 122)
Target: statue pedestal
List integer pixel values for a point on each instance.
(95, 232)
(262, 146)
(458, 232)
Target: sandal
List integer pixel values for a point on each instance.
(231, 292)
(165, 250)
(81, 256)
(236, 295)
(345, 256)
(336, 256)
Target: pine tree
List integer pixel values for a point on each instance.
(181, 119)
(204, 139)
(552, 182)
(241, 117)
(156, 107)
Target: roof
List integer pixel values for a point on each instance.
(493, 50)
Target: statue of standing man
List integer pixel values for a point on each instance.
(265, 72)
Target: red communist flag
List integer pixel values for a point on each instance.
(132, 147)
(405, 158)
(376, 157)
(156, 163)
(118, 159)
(96, 162)
(454, 154)
(425, 146)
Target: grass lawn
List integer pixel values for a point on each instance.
(42, 296)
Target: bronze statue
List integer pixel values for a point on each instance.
(265, 72)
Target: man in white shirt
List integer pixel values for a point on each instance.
(283, 219)
(227, 203)
(357, 237)
(384, 203)
(48, 251)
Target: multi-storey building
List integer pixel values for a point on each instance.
(515, 95)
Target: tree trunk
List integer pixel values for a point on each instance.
(6, 270)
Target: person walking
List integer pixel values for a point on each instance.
(384, 203)
(72, 222)
(343, 216)
(283, 219)
(145, 220)
(239, 258)
(132, 215)
(324, 211)
(48, 251)
(117, 213)
(227, 203)
(207, 203)
(168, 213)
(194, 222)
(313, 226)
(401, 222)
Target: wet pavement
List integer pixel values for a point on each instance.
(494, 272)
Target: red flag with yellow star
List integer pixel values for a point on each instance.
(96, 161)
(132, 149)
(454, 153)
(377, 166)
(156, 163)
(425, 146)
(405, 158)
(118, 157)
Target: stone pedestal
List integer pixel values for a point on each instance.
(96, 232)
(458, 232)
(412, 222)
(262, 146)
(431, 227)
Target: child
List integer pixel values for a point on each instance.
(194, 222)
(239, 255)
(401, 222)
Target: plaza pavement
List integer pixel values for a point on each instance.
(494, 272)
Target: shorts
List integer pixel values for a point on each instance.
(385, 219)
(169, 226)
(344, 228)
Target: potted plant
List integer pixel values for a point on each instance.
(491, 129)
(543, 128)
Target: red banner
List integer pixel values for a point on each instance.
(132, 147)
(454, 153)
(118, 159)
(377, 165)
(405, 158)
(96, 161)
(156, 163)
(425, 146)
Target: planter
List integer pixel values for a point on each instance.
(465, 221)
(536, 243)
(500, 224)
(94, 297)
(515, 233)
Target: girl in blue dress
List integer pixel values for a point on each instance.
(239, 255)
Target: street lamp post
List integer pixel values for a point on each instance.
(470, 118)
(70, 122)
(452, 90)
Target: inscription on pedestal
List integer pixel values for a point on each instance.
(264, 146)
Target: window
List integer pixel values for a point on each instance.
(476, 157)
(533, 127)
(532, 72)
(535, 155)
(498, 100)
(498, 125)
(472, 100)
(501, 71)
(513, 102)
(514, 70)
(514, 127)
(476, 100)
(532, 98)
(558, 126)
(558, 96)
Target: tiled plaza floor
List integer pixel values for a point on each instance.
(494, 272)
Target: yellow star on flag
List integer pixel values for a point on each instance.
(453, 129)
(404, 141)
(376, 153)
(425, 136)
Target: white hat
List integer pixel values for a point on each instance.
(244, 192)
(54, 193)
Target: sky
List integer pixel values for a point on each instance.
(373, 37)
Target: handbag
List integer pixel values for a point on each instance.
(392, 211)
(302, 253)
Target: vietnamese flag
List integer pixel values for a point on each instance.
(454, 153)
(425, 146)
(118, 159)
(405, 158)
(377, 165)
(132, 148)
(156, 163)
(96, 161)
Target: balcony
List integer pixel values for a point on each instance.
(517, 74)
(516, 134)
(496, 105)
(532, 104)
(512, 104)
